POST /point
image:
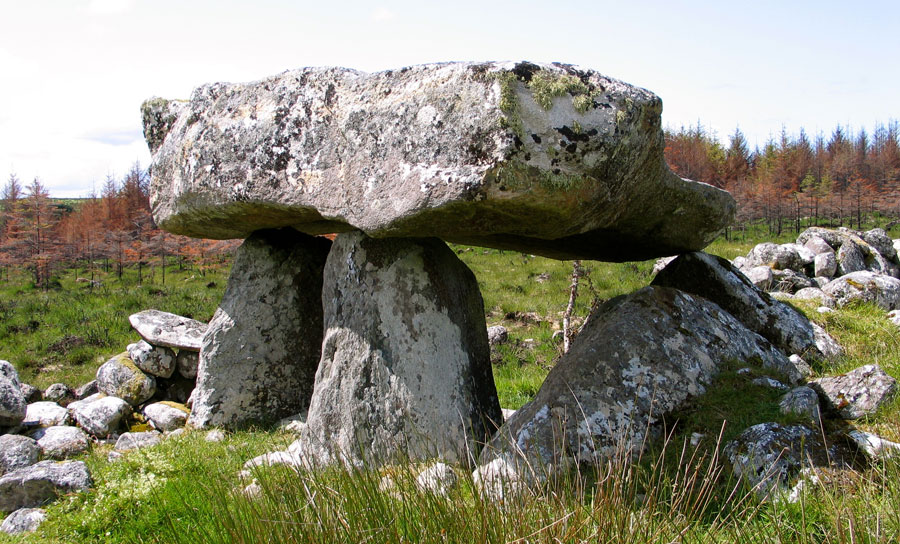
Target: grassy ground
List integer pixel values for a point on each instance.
(186, 490)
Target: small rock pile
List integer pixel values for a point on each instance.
(834, 267)
(148, 386)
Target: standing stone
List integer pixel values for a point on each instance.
(262, 347)
(638, 358)
(405, 367)
(120, 377)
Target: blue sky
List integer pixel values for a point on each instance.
(74, 72)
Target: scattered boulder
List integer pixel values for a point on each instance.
(31, 393)
(894, 317)
(497, 335)
(154, 360)
(825, 264)
(100, 416)
(187, 362)
(23, 520)
(45, 414)
(16, 452)
(87, 390)
(802, 401)
(438, 479)
(850, 258)
(469, 140)
(166, 416)
(59, 393)
(774, 256)
(12, 401)
(817, 245)
(638, 358)
(42, 482)
(61, 442)
(120, 377)
(215, 435)
(715, 279)
(814, 293)
(827, 346)
(761, 277)
(873, 445)
(134, 441)
(405, 354)
(865, 286)
(260, 353)
(168, 330)
(769, 456)
(857, 393)
(881, 242)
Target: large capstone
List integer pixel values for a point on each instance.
(259, 355)
(405, 369)
(639, 357)
(548, 159)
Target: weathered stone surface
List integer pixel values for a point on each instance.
(166, 416)
(87, 390)
(857, 393)
(438, 479)
(61, 442)
(825, 264)
(17, 451)
(850, 258)
(168, 330)
(761, 277)
(262, 347)
(865, 286)
(828, 347)
(546, 159)
(12, 401)
(497, 335)
(814, 293)
(788, 281)
(187, 362)
(778, 257)
(873, 445)
(120, 377)
(817, 245)
(769, 456)
(59, 393)
(894, 317)
(715, 279)
(880, 241)
(405, 366)
(23, 520)
(100, 416)
(802, 401)
(156, 361)
(42, 482)
(45, 414)
(31, 393)
(134, 441)
(638, 358)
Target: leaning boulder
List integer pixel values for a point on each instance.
(405, 369)
(857, 393)
(260, 353)
(120, 377)
(168, 330)
(715, 279)
(547, 159)
(638, 358)
(42, 482)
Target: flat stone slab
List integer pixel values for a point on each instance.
(168, 330)
(546, 159)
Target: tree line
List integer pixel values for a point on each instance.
(796, 181)
(107, 232)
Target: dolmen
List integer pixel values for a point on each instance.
(379, 338)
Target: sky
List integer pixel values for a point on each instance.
(73, 73)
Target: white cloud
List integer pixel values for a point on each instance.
(109, 7)
(382, 15)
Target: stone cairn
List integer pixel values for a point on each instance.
(375, 345)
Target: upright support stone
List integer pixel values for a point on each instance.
(259, 355)
(405, 367)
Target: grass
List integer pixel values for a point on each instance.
(187, 489)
